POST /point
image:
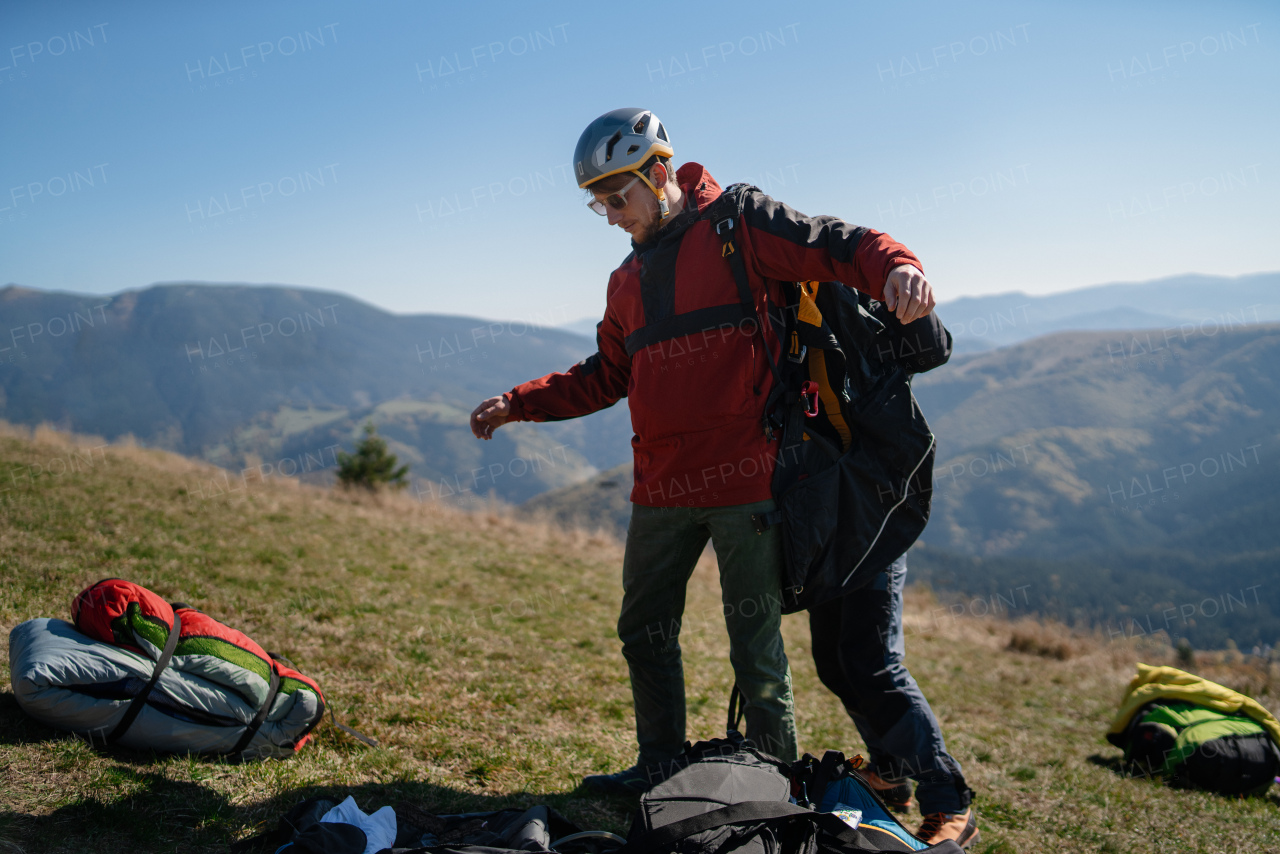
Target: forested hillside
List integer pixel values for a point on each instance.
(1123, 479)
(274, 379)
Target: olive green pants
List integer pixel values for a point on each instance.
(663, 546)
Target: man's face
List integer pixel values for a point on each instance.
(640, 217)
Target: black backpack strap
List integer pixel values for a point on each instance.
(744, 811)
(140, 699)
(752, 811)
(724, 228)
(823, 775)
(737, 707)
(254, 725)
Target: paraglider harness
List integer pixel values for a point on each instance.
(854, 475)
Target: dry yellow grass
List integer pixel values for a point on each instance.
(480, 651)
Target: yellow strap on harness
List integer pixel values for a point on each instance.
(808, 312)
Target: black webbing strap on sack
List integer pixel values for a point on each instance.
(747, 812)
(140, 699)
(258, 719)
(349, 731)
(251, 729)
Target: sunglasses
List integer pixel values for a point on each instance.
(617, 200)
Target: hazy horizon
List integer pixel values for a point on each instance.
(584, 318)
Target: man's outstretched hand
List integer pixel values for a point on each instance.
(489, 416)
(908, 293)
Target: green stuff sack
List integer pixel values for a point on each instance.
(1195, 733)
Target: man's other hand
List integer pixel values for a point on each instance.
(489, 416)
(908, 293)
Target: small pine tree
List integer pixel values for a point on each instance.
(371, 466)
(1232, 655)
(1186, 655)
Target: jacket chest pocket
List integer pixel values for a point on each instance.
(696, 380)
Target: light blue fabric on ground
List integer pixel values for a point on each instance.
(847, 794)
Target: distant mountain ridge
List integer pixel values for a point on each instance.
(1114, 475)
(249, 376)
(998, 320)
(987, 322)
(1080, 442)
(259, 375)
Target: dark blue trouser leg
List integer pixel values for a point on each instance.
(858, 648)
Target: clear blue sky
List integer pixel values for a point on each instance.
(416, 155)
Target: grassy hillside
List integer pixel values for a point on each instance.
(599, 503)
(480, 652)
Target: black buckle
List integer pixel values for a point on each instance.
(758, 522)
(722, 223)
(772, 426)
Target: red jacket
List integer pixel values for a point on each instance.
(674, 341)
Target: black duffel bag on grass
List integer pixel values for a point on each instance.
(731, 797)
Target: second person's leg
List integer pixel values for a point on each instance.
(901, 723)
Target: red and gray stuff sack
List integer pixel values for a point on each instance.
(137, 671)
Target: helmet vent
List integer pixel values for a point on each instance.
(608, 150)
(662, 133)
(639, 126)
(632, 150)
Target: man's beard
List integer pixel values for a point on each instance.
(649, 230)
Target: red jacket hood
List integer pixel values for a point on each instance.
(697, 182)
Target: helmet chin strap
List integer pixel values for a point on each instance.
(664, 209)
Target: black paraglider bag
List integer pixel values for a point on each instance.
(853, 483)
(854, 468)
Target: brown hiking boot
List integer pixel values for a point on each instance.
(962, 828)
(896, 796)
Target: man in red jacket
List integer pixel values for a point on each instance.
(677, 340)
